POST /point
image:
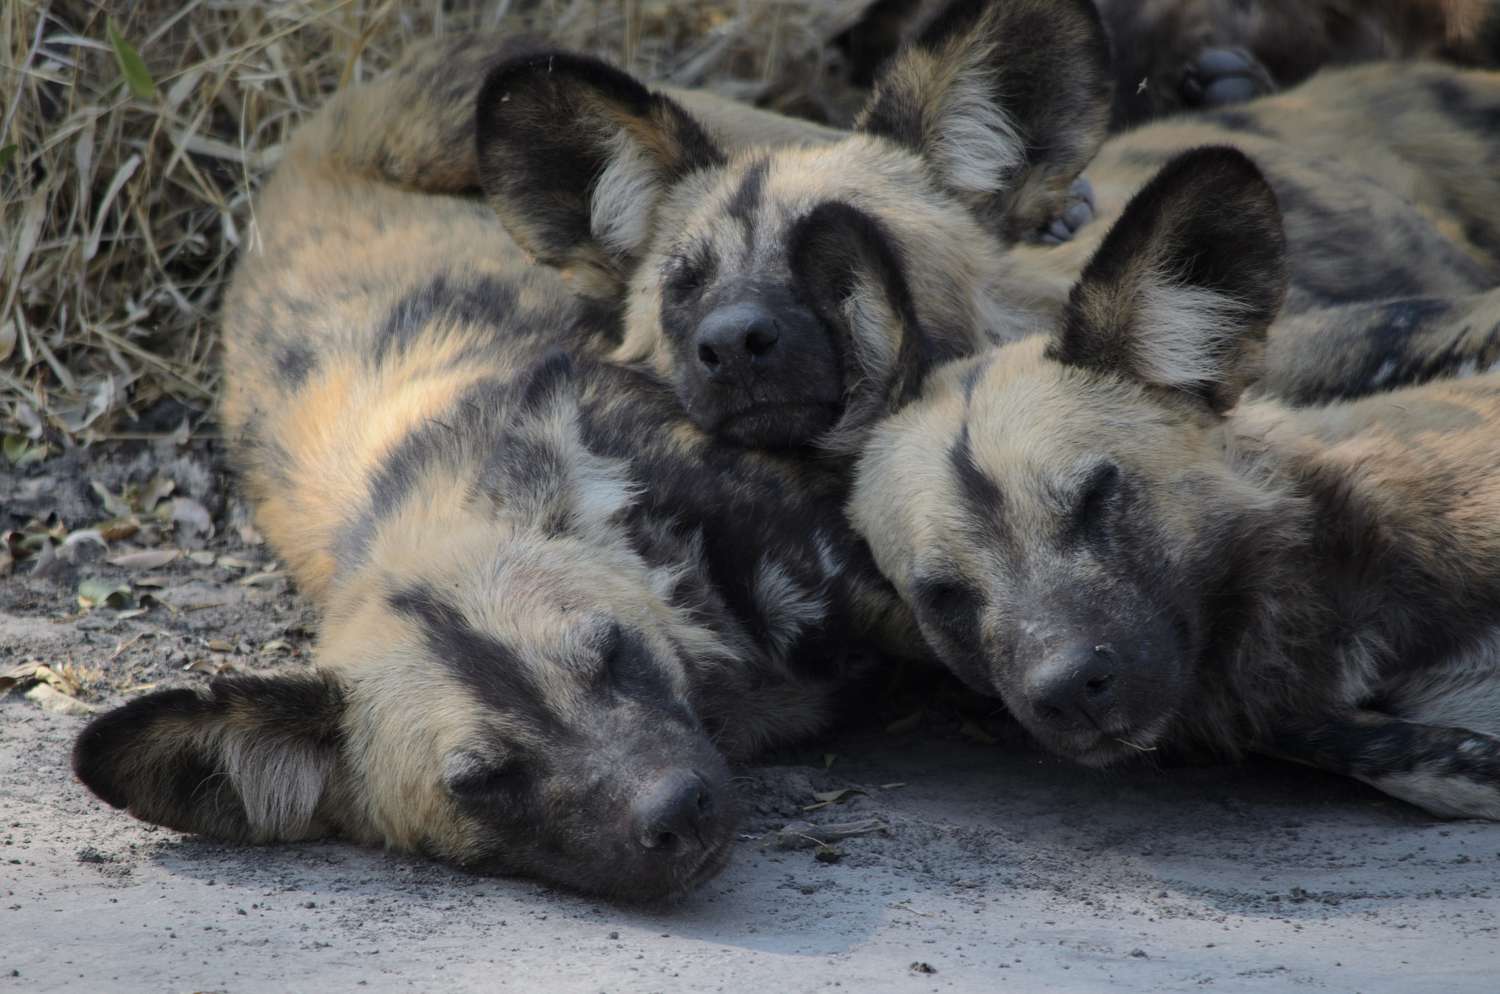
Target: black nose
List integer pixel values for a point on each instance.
(1074, 688)
(736, 341)
(671, 814)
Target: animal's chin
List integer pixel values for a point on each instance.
(1104, 748)
(777, 425)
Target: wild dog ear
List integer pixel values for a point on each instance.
(541, 473)
(1182, 290)
(247, 759)
(852, 272)
(1007, 99)
(574, 155)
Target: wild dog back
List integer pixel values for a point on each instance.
(550, 607)
(1097, 530)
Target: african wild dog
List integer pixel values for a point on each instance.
(738, 267)
(795, 295)
(1092, 527)
(551, 608)
(1174, 55)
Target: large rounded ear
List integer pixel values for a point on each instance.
(575, 156)
(1182, 290)
(248, 759)
(1008, 100)
(852, 272)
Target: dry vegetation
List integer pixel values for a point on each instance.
(124, 194)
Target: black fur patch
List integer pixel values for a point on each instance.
(982, 494)
(482, 300)
(294, 363)
(482, 661)
(404, 467)
(747, 197)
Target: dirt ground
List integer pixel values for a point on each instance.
(976, 864)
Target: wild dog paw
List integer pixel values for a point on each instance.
(1221, 76)
(1078, 210)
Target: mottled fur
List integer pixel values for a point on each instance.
(1385, 174)
(1093, 527)
(1159, 46)
(551, 607)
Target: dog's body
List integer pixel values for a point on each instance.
(1090, 527)
(551, 608)
(793, 295)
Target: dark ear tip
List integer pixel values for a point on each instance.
(517, 76)
(107, 738)
(1218, 164)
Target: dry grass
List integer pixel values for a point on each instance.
(120, 214)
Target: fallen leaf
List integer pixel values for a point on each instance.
(230, 562)
(134, 612)
(119, 530)
(103, 593)
(158, 490)
(52, 699)
(116, 506)
(202, 558)
(276, 645)
(219, 645)
(24, 673)
(262, 579)
(22, 451)
(144, 559)
(193, 515)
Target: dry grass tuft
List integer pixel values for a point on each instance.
(121, 211)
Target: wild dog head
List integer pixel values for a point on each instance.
(511, 695)
(791, 294)
(1061, 514)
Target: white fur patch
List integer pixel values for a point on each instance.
(624, 196)
(1446, 796)
(1185, 334)
(279, 782)
(602, 487)
(978, 145)
(788, 608)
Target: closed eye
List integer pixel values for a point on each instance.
(951, 605)
(1091, 506)
(687, 274)
(471, 779)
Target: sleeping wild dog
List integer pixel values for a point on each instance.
(1176, 55)
(794, 295)
(551, 609)
(1093, 526)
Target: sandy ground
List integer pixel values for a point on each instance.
(984, 866)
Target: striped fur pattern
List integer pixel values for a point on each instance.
(553, 610)
(1096, 527)
(773, 330)
(777, 335)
